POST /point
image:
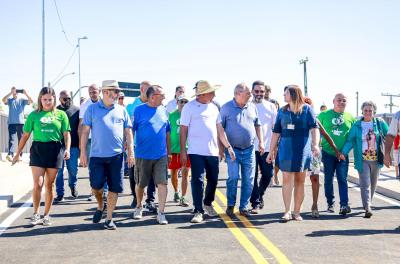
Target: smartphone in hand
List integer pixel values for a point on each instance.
(19, 91)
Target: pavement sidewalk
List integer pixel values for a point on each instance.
(388, 184)
(15, 181)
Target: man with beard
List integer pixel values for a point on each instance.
(267, 115)
(106, 119)
(72, 112)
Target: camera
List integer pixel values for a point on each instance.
(19, 91)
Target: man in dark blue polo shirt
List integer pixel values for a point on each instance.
(109, 123)
(240, 120)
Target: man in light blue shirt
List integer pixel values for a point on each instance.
(110, 124)
(240, 120)
(15, 118)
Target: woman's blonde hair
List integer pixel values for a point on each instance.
(43, 91)
(296, 96)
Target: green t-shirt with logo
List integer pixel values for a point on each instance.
(337, 125)
(47, 126)
(174, 122)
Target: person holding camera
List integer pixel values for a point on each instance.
(15, 118)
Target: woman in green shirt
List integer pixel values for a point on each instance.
(51, 144)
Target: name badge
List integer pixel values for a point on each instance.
(290, 126)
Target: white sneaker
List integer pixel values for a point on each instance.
(161, 219)
(35, 219)
(209, 209)
(197, 218)
(138, 213)
(46, 221)
(91, 197)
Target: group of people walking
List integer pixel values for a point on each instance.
(249, 132)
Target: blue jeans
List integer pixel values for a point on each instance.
(200, 165)
(244, 164)
(267, 171)
(331, 164)
(72, 167)
(14, 131)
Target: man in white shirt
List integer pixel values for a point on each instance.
(201, 125)
(267, 115)
(172, 105)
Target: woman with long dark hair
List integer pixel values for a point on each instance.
(292, 130)
(50, 128)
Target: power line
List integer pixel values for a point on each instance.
(66, 65)
(61, 24)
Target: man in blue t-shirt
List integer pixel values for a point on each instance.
(151, 131)
(15, 118)
(151, 188)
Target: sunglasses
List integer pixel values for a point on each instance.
(66, 99)
(121, 98)
(259, 91)
(183, 102)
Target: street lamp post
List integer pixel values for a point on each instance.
(79, 63)
(62, 77)
(304, 62)
(43, 44)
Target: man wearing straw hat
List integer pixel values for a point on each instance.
(200, 126)
(109, 122)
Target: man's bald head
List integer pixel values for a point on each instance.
(339, 103)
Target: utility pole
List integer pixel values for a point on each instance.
(357, 104)
(391, 105)
(304, 62)
(43, 44)
(79, 63)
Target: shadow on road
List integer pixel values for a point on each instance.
(352, 232)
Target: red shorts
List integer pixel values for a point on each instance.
(175, 163)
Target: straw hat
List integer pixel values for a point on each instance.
(203, 87)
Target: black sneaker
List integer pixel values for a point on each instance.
(261, 205)
(134, 203)
(74, 192)
(150, 207)
(345, 209)
(58, 199)
(97, 216)
(368, 214)
(109, 224)
(229, 211)
(331, 208)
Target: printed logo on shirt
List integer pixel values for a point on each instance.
(47, 119)
(338, 121)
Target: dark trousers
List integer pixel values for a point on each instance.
(200, 165)
(151, 188)
(267, 171)
(14, 131)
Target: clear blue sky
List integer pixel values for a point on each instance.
(351, 45)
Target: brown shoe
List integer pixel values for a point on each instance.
(244, 212)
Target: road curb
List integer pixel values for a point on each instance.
(379, 189)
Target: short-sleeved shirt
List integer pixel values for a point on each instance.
(151, 126)
(267, 114)
(73, 117)
(394, 128)
(47, 126)
(175, 122)
(16, 110)
(82, 110)
(239, 123)
(337, 125)
(201, 120)
(107, 126)
(132, 106)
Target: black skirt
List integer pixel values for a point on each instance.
(47, 154)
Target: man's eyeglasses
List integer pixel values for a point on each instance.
(66, 99)
(162, 95)
(183, 102)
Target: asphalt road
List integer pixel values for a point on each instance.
(262, 238)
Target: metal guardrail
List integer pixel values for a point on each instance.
(4, 135)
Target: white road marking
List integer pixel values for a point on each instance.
(11, 218)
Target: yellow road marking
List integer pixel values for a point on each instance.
(265, 242)
(240, 236)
